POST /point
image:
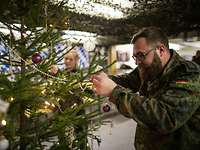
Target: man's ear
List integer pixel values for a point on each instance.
(161, 49)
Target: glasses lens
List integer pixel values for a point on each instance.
(140, 56)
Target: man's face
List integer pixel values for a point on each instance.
(70, 61)
(147, 59)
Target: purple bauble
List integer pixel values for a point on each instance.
(106, 108)
(36, 58)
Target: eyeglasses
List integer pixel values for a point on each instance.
(141, 56)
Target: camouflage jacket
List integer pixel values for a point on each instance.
(197, 60)
(167, 109)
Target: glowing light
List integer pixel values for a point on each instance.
(11, 99)
(47, 103)
(50, 82)
(3, 122)
(74, 105)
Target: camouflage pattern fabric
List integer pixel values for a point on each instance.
(167, 109)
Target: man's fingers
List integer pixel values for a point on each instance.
(95, 89)
(100, 76)
(96, 85)
(96, 82)
(103, 74)
(96, 77)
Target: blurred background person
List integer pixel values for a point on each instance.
(71, 60)
(196, 58)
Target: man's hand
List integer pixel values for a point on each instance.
(102, 84)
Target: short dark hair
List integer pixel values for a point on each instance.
(152, 35)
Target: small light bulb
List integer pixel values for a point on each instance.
(50, 82)
(3, 122)
(47, 103)
(11, 99)
(74, 105)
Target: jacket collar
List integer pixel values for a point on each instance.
(175, 60)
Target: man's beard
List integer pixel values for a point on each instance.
(150, 72)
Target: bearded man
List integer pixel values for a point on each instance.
(162, 94)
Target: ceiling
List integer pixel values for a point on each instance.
(119, 19)
(171, 15)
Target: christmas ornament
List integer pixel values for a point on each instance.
(106, 108)
(36, 58)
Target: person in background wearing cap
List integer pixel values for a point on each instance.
(162, 94)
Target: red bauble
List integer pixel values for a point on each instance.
(106, 108)
(36, 58)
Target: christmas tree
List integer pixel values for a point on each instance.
(37, 118)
